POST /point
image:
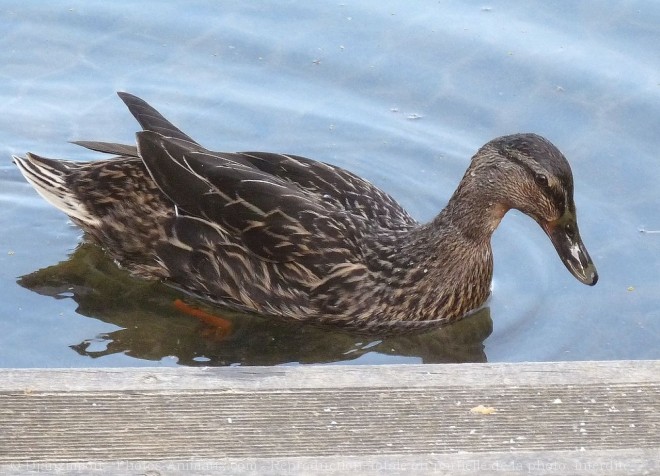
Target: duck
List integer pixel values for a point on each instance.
(288, 237)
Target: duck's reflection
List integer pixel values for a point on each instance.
(156, 324)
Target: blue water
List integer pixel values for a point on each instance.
(401, 93)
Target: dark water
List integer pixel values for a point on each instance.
(401, 93)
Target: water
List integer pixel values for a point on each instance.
(402, 94)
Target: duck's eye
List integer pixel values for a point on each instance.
(541, 180)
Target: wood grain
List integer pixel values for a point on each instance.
(323, 419)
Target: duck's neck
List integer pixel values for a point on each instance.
(449, 259)
(475, 210)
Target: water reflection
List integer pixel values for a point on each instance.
(154, 325)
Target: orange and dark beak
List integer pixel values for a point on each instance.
(565, 235)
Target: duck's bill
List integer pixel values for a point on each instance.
(565, 236)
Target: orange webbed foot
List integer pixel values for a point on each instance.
(217, 327)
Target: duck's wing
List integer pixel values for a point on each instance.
(329, 182)
(113, 148)
(152, 120)
(270, 217)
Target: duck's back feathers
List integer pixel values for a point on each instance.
(334, 184)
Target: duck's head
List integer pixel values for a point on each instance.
(528, 173)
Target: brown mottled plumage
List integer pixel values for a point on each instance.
(286, 236)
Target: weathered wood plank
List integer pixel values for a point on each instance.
(258, 420)
(330, 376)
(564, 463)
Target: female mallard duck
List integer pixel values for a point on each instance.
(286, 236)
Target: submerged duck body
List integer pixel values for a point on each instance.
(286, 236)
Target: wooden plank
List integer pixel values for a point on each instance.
(330, 376)
(565, 418)
(564, 463)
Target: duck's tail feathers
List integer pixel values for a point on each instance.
(150, 119)
(49, 179)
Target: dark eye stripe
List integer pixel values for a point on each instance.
(556, 194)
(513, 157)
